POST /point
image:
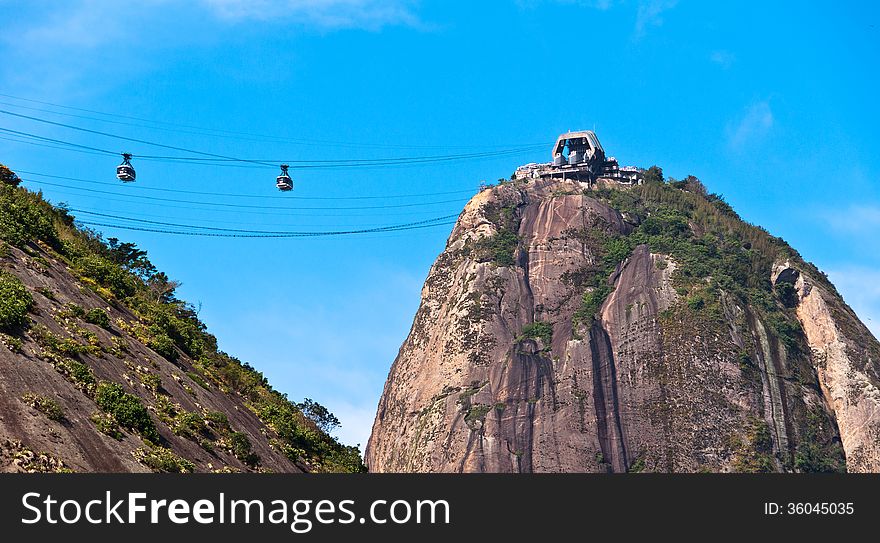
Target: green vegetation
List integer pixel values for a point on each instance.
(653, 175)
(197, 379)
(15, 301)
(241, 448)
(637, 466)
(8, 177)
(816, 453)
(612, 249)
(106, 424)
(98, 317)
(320, 415)
(107, 274)
(754, 451)
(12, 343)
(121, 273)
(714, 250)
(537, 330)
(152, 382)
(501, 247)
(25, 216)
(60, 346)
(44, 405)
(30, 461)
(477, 412)
(163, 460)
(217, 419)
(164, 347)
(47, 292)
(127, 409)
(72, 310)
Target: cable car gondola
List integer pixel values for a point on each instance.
(283, 181)
(125, 171)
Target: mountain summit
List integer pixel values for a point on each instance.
(618, 326)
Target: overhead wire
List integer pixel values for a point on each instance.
(134, 140)
(224, 160)
(52, 140)
(232, 195)
(285, 232)
(269, 235)
(242, 212)
(216, 159)
(215, 132)
(313, 220)
(247, 206)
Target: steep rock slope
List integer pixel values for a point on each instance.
(103, 369)
(625, 329)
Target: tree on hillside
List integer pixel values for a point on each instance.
(8, 177)
(654, 174)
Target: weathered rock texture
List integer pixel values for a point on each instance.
(643, 386)
(29, 441)
(845, 356)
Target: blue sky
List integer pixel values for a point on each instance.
(770, 104)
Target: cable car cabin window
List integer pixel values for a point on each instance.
(125, 171)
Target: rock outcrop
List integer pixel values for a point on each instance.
(104, 369)
(542, 346)
(846, 358)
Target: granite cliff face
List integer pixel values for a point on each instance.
(617, 328)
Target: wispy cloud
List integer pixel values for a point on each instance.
(854, 219)
(88, 24)
(860, 288)
(755, 122)
(650, 14)
(326, 14)
(601, 5)
(723, 58)
(357, 423)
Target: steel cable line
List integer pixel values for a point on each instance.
(297, 164)
(246, 206)
(346, 161)
(241, 212)
(292, 197)
(184, 160)
(52, 140)
(244, 231)
(135, 140)
(47, 146)
(290, 235)
(262, 223)
(229, 133)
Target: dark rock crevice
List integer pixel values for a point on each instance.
(608, 424)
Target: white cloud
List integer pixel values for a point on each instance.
(756, 122)
(723, 58)
(650, 13)
(88, 24)
(327, 14)
(860, 288)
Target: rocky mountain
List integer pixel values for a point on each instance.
(103, 369)
(619, 328)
